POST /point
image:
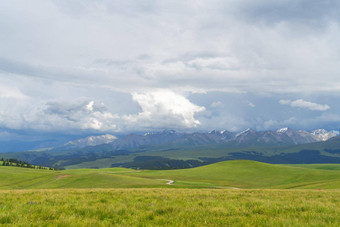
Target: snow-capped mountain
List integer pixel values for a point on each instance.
(150, 138)
(90, 141)
(297, 137)
(284, 136)
(282, 130)
(323, 134)
(245, 132)
(248, 137)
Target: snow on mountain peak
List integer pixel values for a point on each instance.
(92, 141)
(323, 134)
(282, 130)
(336, 133)
(243, 132)
(217, 132)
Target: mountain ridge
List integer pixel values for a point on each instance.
(249, 137)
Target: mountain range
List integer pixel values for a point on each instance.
(249, 137)
(169, 149)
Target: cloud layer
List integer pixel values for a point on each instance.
(220, 45)
(124, 65)
(300, 103)
(158, 109)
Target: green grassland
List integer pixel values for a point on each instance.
(230, 193)
(229, 174)
(250, 174)
(320, 166)
(169, 207)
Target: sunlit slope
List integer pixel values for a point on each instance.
(20, 178)
(228, 174)
(250, 174)
(319, 166)
(15, 177)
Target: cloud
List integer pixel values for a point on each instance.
(252, 105)
(310, 12)
(214, 63)
(62, 116)
(11, 92)
(158, 109)
(219, 46)
(217, 104)
(104, 51)
(86, 115)
(300, 103)
(275, 124)
(164, 108)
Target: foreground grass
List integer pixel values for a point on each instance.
(169, 207)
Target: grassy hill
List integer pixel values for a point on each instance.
(319, 166)
(228, 174)
(251, 174)
(21, 178)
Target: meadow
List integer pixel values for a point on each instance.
(229, 174)
(231, 193)
(169, 207)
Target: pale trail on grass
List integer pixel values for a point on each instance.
(134, 171)
(170, 182)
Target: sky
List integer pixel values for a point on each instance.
(108, 66)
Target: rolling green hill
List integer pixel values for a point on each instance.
(228, 174)
(251, 174)
(319, 166)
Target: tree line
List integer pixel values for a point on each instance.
(23, 164)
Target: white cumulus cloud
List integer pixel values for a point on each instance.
(164, 108)
(300, 103)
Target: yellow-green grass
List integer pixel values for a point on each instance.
(169, 207)
(37, 201)
(319, 166)
(250, 174)
(230, 174)
(21, 178)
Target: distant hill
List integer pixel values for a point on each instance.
(229, 174)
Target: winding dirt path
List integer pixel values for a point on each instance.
(135, 171)
(170, 182)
